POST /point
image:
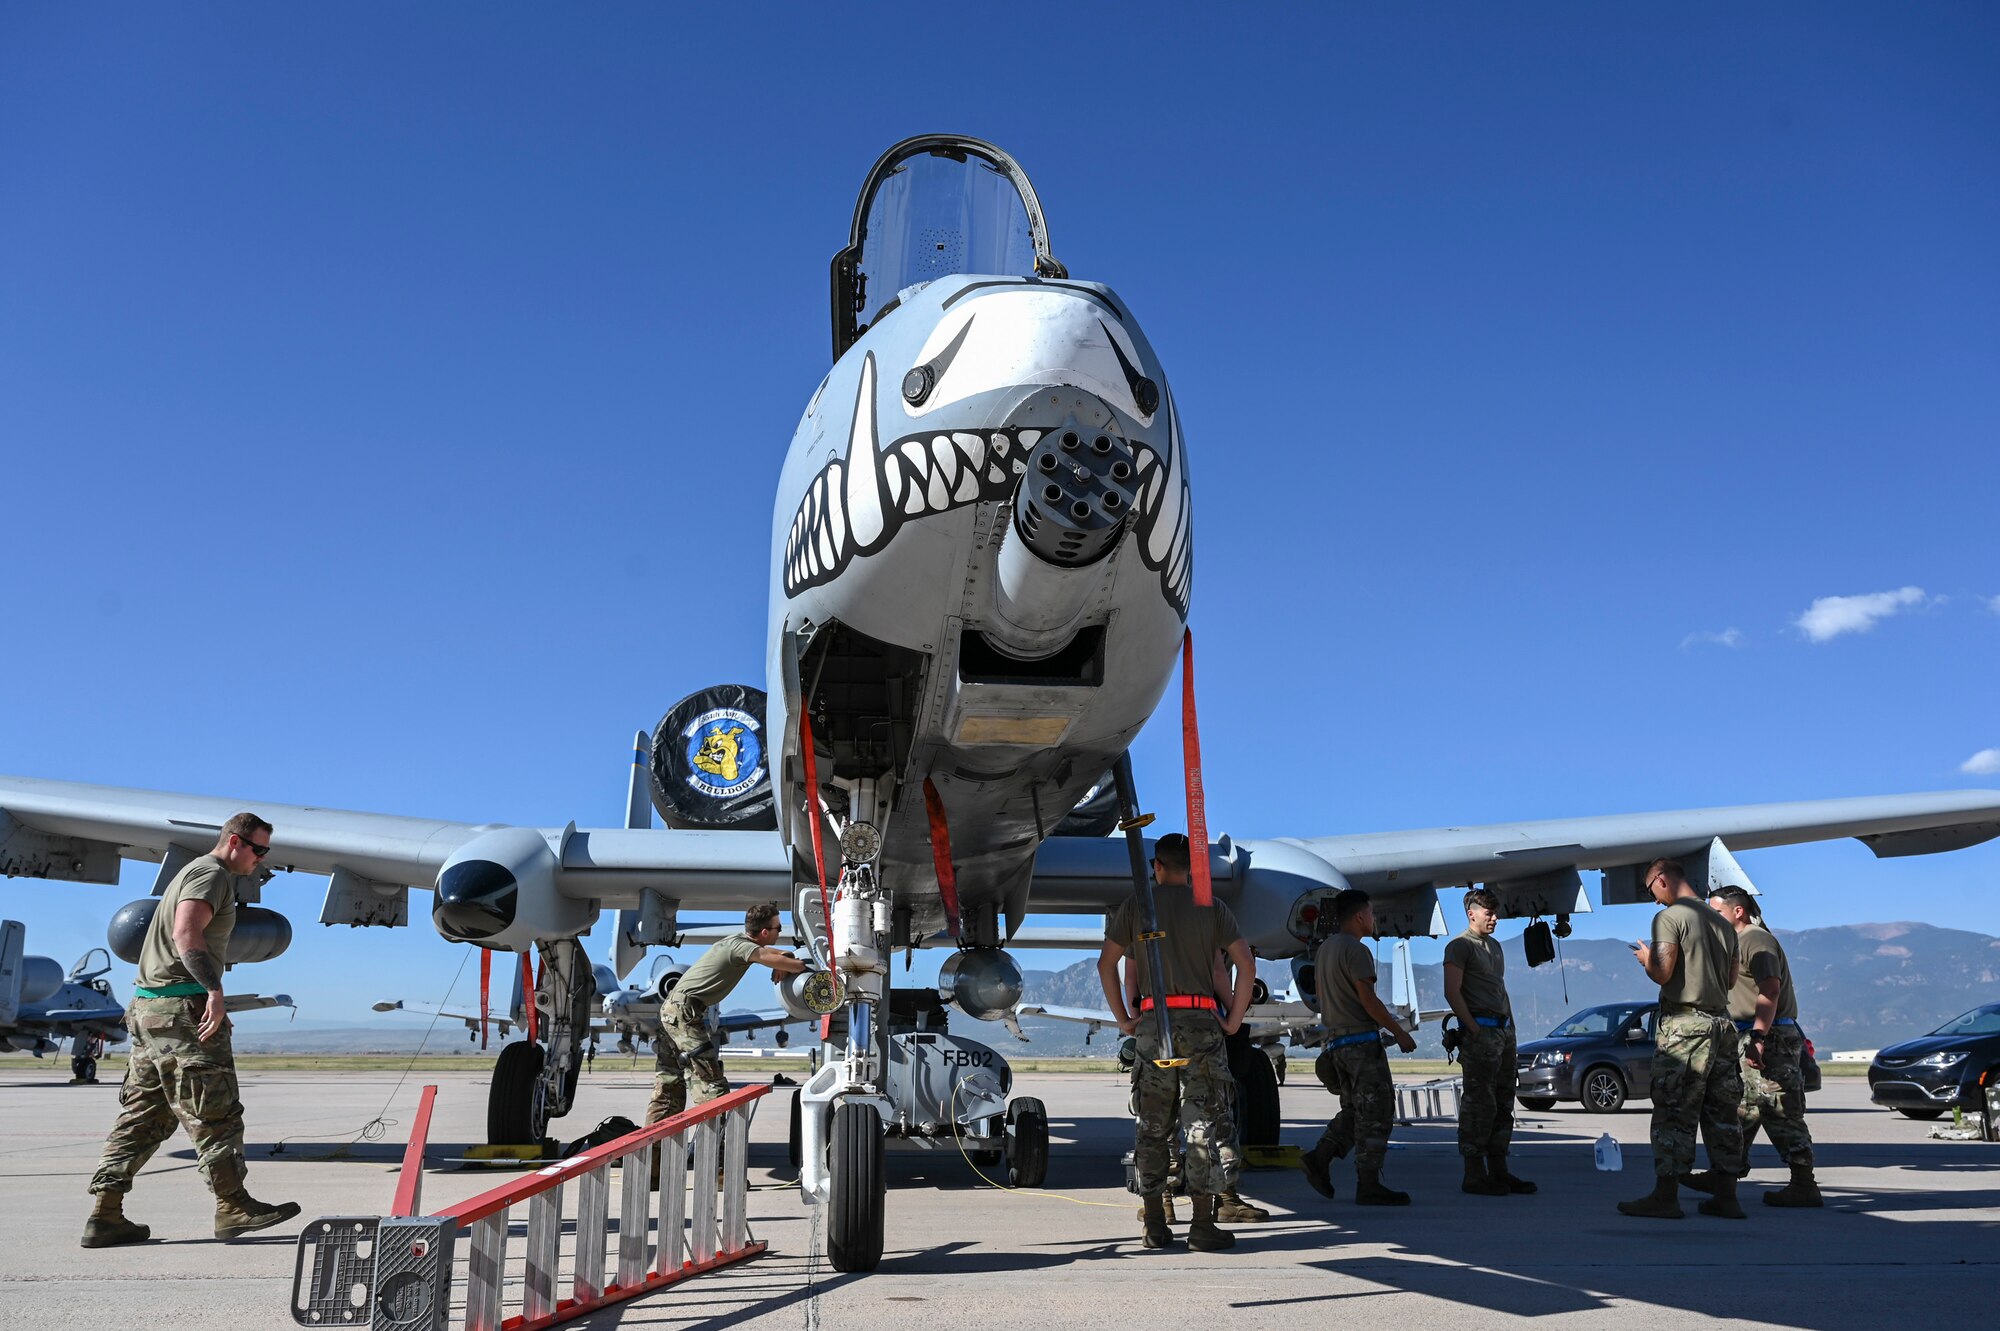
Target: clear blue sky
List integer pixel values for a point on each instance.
(391, 398)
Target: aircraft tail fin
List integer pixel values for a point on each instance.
(13, 968)
(1404, 1001)
(1402, 983)
(626, 951)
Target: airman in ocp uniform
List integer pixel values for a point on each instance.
(684, 1035)
(1352, 1064)
(1766, 1012)
(1695, 1081)
(1475, 988)
(182, 1068)
(1201, 1095)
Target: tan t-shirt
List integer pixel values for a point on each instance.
(1707, 944)
(1485, 970)
(1342, 960)
(1761, 958)
(709, 980)
(206, 879)
(1194, 935)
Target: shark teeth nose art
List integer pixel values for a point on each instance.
(856, 505)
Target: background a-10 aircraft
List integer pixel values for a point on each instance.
(982, 562)
(41, 1005)
(627, 1011)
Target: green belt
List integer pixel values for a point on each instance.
(188, 990)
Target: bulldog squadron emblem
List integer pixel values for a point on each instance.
(723, 753)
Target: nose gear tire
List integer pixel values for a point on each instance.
(857, 1182)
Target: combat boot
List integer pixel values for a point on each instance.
(1166, 1207)
(1230, 1208)
(1479, 1181)
(1496, 1169)
(1709, 1181)
(1154, 1212)
(1723, 1203)
(1368, 1190)
(1203, 1236)
(1662, 1203)
(240, 1213)
(1314, 1164)
(108, 1227)
(1803, 1190)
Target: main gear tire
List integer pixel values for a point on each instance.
(1538, 1103)
(1924, 1115)
(515, 1113)
(857, 1188)
(1027, 1147)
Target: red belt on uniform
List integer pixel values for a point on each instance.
(1180, 1000)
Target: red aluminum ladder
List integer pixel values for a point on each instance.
(399, 1271)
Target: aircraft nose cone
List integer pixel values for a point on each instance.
(475, 899)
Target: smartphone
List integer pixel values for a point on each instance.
(1633, 946)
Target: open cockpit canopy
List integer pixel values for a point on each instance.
(934, 206)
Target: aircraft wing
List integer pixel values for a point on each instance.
(740, 1022)
(257, 1002)
(80, 1014)
(500, 1023)
(1054, 937)
(76, 832)
(1093, 1019)
(1264, 1021)
(1534, 866)
(1889, 825)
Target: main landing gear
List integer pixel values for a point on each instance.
(84, 1051)
(535, 1080)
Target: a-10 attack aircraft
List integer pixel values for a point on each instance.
(630, 1012)
(40, 1006)
(981, 564)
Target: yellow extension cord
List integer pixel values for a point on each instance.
(1018, 1192)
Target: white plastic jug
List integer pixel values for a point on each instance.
(1609, 1157)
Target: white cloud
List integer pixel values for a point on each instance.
(1726, 638)
(1831, 616)
(1994, 605)
(1986, 762)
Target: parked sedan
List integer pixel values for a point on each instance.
(1924, 1077)
(1602, 1057)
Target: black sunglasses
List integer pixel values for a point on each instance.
(259, 851)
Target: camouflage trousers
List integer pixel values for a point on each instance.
(684, 1038)
(1696, 1085)
(1774, 1098)
(1199, 1099)
(1486, 1094)
(1359, 1075)
(174, 1078)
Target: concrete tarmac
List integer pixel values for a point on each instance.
(1911, 1233)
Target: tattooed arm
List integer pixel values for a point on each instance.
(189, 921)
